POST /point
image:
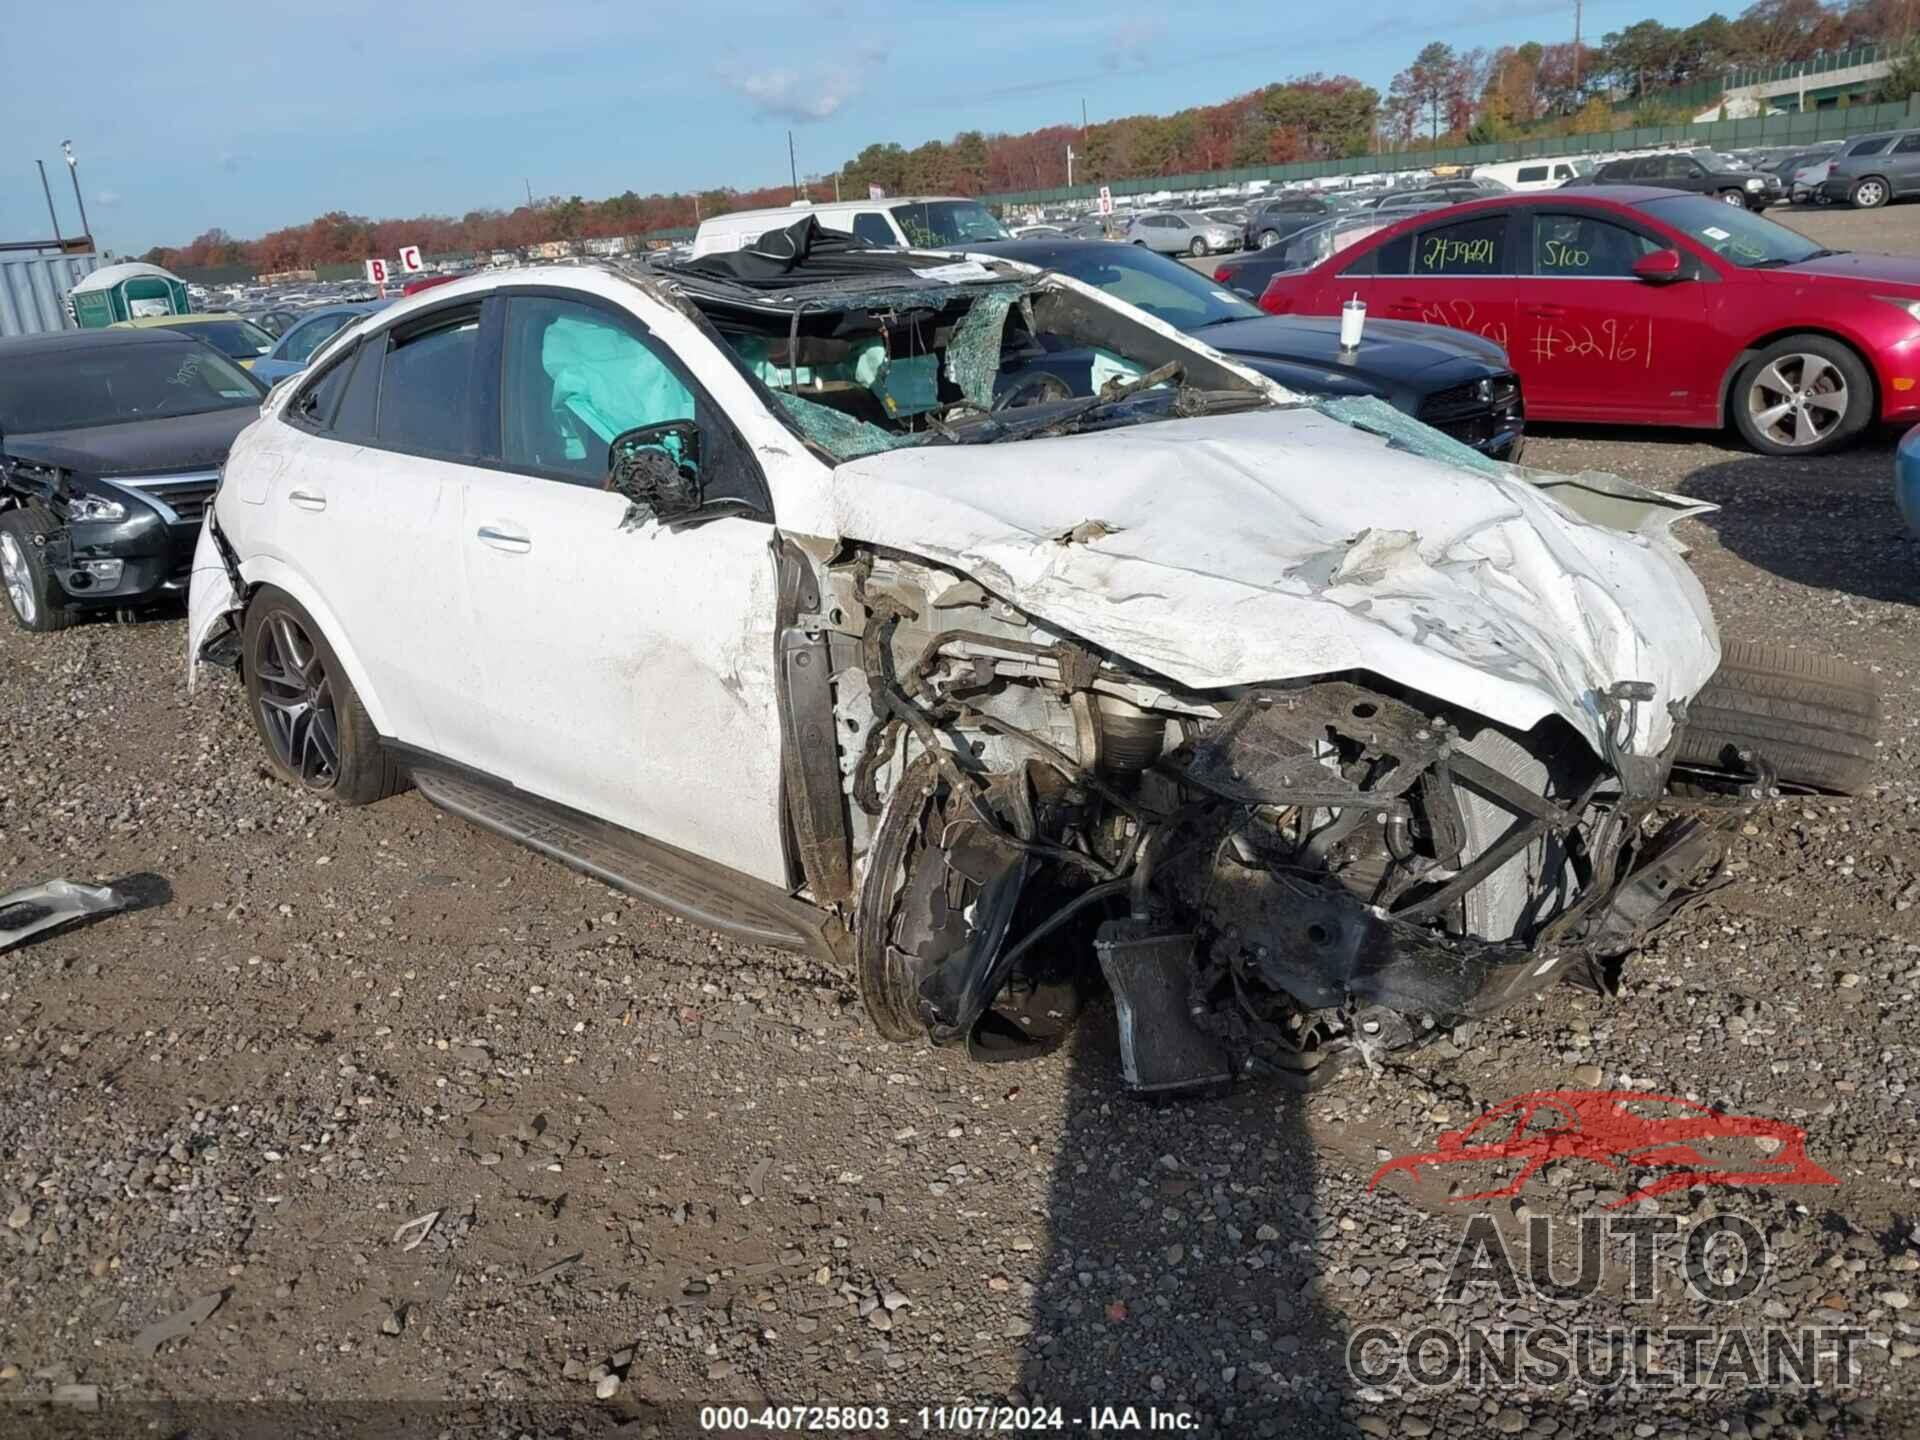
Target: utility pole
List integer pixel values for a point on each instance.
(48, 189)
(1083, 117)
(529, 184)
(1576, 53)
(73, 171)
(793, 168)
(1069, 167)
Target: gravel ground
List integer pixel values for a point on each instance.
(666, 1168)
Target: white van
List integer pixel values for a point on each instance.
(934, 222)
(1547, 173)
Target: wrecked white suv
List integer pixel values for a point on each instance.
(984, 636)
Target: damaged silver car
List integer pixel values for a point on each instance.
(987, 638)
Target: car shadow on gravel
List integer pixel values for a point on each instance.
(1182, 1268)
(1828, 523)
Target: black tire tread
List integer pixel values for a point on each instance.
(1815, 719)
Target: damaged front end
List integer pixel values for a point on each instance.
(1269, 879)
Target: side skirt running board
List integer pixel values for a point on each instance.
(692, 888)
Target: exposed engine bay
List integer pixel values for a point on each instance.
(1270, 879)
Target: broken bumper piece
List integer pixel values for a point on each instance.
(39, 908)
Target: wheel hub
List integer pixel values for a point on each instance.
(1798, 400)
(296, 702)
(19, 585)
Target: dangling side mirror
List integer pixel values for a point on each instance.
(657, 469)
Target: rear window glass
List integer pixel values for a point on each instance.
(1473, 247)
(1870, 147)
(424, 389)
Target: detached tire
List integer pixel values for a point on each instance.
(317, 734)
(1813, 719)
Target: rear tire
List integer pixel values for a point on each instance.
(1812, 718)
(316, 732)
(34, 600)
(1871, 193)
(1269, 239)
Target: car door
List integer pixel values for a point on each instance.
(365, 508)
(629, 666)
(1903, 164)
(1683, 172)
(1591, 339)
(1458, 273)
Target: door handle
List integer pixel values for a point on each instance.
(307, 500)
(506, 540)
(1548, 310)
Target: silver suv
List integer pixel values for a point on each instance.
(1875, 169)
(1183, 232)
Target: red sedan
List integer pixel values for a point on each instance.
(1645, 306)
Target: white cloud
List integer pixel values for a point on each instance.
(108, 198)
(799, 95)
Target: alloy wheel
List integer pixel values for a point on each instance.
(1869, 194)
(1798, 400)
(1733, 197)
(19, 582)
(296, 701)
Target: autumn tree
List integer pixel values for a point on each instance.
(1423, 90)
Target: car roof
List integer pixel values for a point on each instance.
(15, 347)
(164, 322)
(1611, 197)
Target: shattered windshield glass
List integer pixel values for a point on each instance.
(959, 353)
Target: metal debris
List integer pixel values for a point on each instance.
(410, 1235)
(41, 907)
(557, 1268)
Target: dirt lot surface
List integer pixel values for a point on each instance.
(670, 1169)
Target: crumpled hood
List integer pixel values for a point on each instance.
(1282, 544)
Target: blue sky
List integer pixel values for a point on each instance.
(259, 114)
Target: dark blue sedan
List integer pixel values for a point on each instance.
(1458, 383)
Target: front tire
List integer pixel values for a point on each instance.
(33, 598)
(1803, 395)
(1197, 248)
(1871, 193)
(315, 730)
(1733, 197)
